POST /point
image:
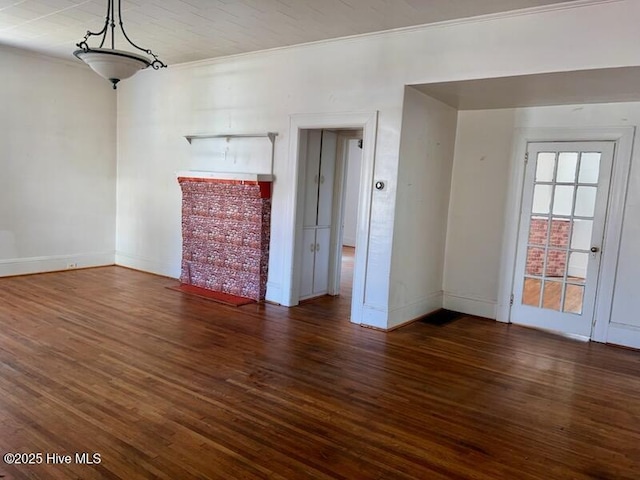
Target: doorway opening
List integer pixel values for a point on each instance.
(330, 164)
(366, 124)
(349, 155)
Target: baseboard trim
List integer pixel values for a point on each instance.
(148, 265)
(478, 307)
(147, 272)
(503, 313)
(624, 335)
(374, 317)
(54, 263)
(274, 293)
(414, 320)
(410, 312)
(421, 318)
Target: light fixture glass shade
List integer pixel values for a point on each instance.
(113, 65)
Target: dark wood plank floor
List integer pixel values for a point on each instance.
(167, 386)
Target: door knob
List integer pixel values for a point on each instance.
(595, 249)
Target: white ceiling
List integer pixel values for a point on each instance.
(558, 88)
(187, 30)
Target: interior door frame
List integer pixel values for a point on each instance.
(368, 122)
(623, 137)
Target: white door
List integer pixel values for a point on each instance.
(321, 270)
(326, 179)
(560, 237)
(312, 178)
(314, 280)
(308, 262)
(318, 212)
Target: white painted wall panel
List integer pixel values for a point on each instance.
(58, 165)
(476, 212)
(422, 201)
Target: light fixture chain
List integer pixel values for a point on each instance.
(113, 24)
(84, 45)
(156, 64)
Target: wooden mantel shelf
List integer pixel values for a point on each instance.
(228, 136)
(226, 176)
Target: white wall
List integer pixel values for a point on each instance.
(58, 167)
(479, 190)
(422, 201)
(257, 92)
(252, 93)
(352, 189)
(476, 212)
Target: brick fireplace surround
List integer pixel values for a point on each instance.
(226, 221)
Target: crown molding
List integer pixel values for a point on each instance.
(402, 31)
(25, 52)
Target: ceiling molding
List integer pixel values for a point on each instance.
(196, 32)
(402, 31)
(25, 52)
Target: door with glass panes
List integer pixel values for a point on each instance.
(562, 221)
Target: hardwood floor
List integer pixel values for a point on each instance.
(163, 385)
(346, 275)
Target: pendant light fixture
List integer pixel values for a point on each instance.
(111, 64)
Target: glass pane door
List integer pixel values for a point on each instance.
(562, 221)
(560, 228)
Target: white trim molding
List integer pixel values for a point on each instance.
(415, 309)
(399, 31)
(469, 305)
(274, 293)
(143, 264)
(368, 122)
(625, 335)
(54, 263)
